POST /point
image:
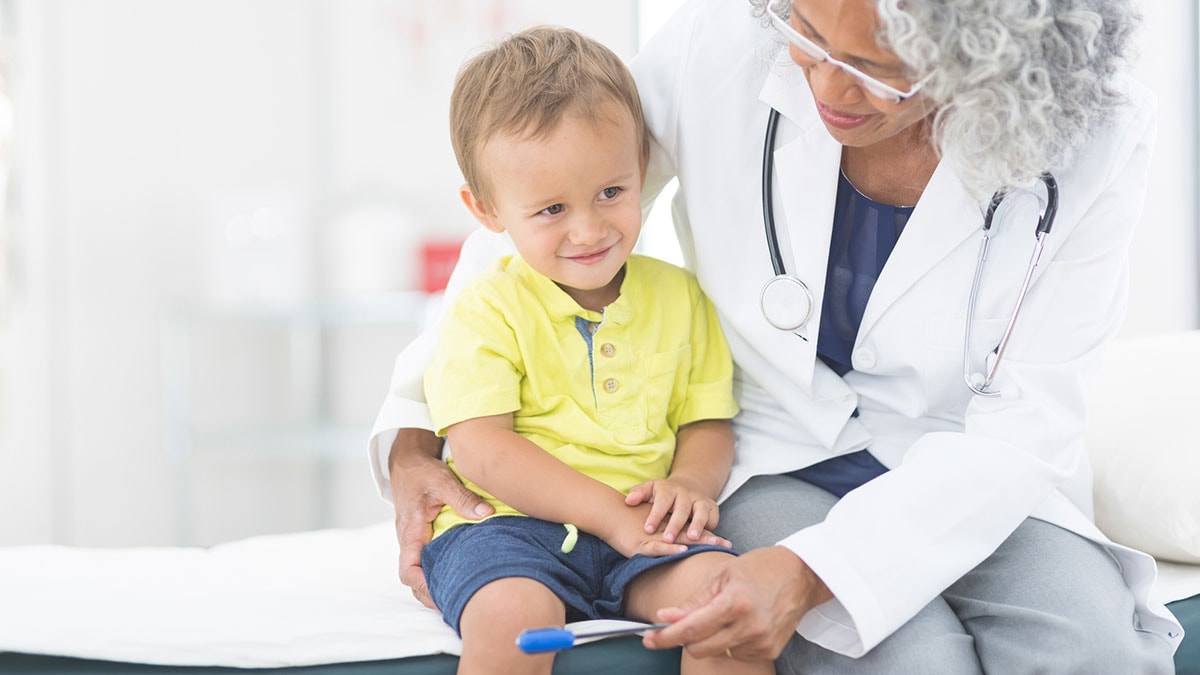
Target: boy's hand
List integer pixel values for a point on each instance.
(629, 537)
(684, 502)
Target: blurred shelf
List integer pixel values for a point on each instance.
(308, 329)
(400, 306)
(282, 441)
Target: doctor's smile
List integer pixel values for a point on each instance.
(838, 119)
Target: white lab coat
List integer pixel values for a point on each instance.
(965, 470)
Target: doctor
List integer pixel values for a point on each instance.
(900, 520)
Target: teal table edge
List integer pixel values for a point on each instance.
(598, 658)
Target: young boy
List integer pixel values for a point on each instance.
(576, 383)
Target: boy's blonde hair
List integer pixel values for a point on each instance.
(526, 84)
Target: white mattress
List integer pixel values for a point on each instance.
(329, 596)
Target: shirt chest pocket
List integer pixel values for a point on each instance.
(637, 404)
(664, 387)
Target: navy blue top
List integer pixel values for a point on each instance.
(864, 233)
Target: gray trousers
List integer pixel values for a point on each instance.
(1047, 601)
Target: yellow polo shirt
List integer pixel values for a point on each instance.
(605, 392)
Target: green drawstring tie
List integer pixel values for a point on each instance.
(568, 544)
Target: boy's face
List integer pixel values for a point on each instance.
(570, 201)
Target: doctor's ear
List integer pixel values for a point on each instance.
(478, 208)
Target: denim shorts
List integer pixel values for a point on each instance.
(590, 580)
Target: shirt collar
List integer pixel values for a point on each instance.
(562, 307)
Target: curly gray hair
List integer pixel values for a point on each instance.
(1020, 85)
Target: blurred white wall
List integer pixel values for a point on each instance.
(194, 178)
(222, 160)
(1165, 280)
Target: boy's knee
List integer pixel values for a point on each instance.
(515, 601)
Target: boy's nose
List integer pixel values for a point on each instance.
(588, 230)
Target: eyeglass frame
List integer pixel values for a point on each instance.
(874, 87)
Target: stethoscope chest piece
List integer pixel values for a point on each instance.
(787, 303)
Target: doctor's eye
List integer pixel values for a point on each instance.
(552, 210)
(609, 193)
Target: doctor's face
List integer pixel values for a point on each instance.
(570, 201)
(855, 116)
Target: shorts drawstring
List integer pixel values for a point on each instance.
(572, 537)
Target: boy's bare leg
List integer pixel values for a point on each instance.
(669, 585)
(493, 618)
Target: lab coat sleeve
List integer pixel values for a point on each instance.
(404, 407)
(889, 548)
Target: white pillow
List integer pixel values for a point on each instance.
(1143, 436)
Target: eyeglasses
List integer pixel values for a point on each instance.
(813, 51)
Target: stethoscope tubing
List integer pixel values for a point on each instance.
(979, 384)
(982, 385)
(773, 248)
(768, 177)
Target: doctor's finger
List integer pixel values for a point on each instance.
(699, 631)
(464, 502)
(414, 578)
(693, 620)
(413, 533)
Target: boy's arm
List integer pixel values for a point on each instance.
(521, 474)
(704, 455)
(704, 443)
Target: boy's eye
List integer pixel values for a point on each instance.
(610, 192)
(553, 210)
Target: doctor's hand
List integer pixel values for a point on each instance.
(421, 484)
(749, 605)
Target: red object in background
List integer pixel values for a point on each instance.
(437, 262)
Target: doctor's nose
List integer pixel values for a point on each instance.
(831, 84)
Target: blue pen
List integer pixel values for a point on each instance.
(542, 640)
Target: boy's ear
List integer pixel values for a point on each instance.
(478, 209)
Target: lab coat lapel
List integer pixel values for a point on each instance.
(944, 217)
(806, 170)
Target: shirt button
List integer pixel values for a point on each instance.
(611, 385)
(864, 359)
(607, 349)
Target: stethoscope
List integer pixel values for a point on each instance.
(788, 304)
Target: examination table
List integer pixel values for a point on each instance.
(328, 602)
